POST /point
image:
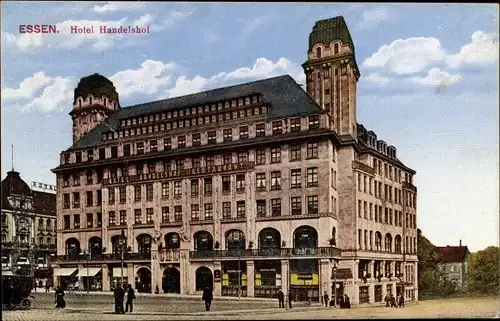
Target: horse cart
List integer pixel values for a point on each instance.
(16, 292)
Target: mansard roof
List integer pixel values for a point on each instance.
(285, 96)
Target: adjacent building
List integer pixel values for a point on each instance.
(453, 260)
(28, 228)
(250, 189)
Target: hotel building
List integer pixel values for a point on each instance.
(249, 188)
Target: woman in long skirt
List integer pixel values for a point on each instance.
(60, 303)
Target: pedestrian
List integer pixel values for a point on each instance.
(207, 297)
(393, 301)
(347, 302)
(387, 300)
(157, 290)
(341, 302)
(326, 299)
(281, 299)
(119, 295)
(401, 301)
(59, 297)
(130, 299)
(47, 287)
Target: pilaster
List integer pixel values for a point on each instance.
(105, 278)
(250, 279)
(217, 285)
(285, 276)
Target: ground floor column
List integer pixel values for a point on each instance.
(371, 293)
(156, 274)
(285, 270)
(81, 285)
(325, 280)
(217, 285)
(105, 278)
(415, 282)
(185, 272)
(384, 292)
(129, 275)
(250, 278)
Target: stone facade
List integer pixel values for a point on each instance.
(249, 189)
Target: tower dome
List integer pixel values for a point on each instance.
(98, 86)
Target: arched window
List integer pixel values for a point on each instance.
(378, 241)
(95, 246)
(333, 241)
(305, 237)
(397, 244)
(269, 238)
(336, 48)
(73, 248)
(203, 241)
(144, 244)
(90, 100)
(235, 239)
(115, 244)
(79, 102)
(172, 241)
(388, 242)
(318, 52)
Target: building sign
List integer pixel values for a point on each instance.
(304, 277)
(46, 187)
(216, 275)
(177, 174)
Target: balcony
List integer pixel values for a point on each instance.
(410, 187)
(103, 257)
(319, 252)
(363, 167)
(169, 255)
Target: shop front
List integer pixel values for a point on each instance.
(267, 278)
(234, 278)
(304, 280)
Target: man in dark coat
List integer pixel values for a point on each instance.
(387, 300)
(393, 301)
(347, 302)
(326, 299)
(207, 297)
(130, 299)
(401, 301)
(119, 295)
(281, 298)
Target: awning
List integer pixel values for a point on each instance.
(7, 273)
(64, 271)
(117, 272)
(91, 271)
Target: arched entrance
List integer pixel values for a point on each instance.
(171, 280)
(204, 278)
(73, 249)
(143, 280)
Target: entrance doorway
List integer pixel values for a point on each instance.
(204, 278)
(143, 280)
(171, 280)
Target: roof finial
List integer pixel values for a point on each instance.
(12, 156)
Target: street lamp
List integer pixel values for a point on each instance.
(87, 257)
(123, 244)
(334, 270)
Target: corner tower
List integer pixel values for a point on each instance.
(332, 73)
(95, 98)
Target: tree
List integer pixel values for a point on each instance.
(484, 271)
(432, 281)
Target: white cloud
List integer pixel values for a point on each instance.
(481, 51)
(376, 79)
(119, 6)
(99, 41)
(373, 17)
(437, 77)
(407, 56)
(210, 37)
(155, 78)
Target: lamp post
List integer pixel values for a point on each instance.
(123, 244)
(334, 270)
(87, 257)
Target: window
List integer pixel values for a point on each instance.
(102, 153)
(261, 181)
(243, 132)
(177, 189)
(209, 211)
(295, 152)
(179, 164)
(167, 143)
(312, 204)
(165, 213)
(178, 213)
(240, 209)
(261, 208)
(227, 158)
(314, 122)
(76, 200)
(240, 183)
(295, 125)
(208, 186)
(149, 192)
(90, 155)
(149, 216)
(195, 212)
(137, 216)
(296, 205)
(196, 162)
(165, 190)
(181, 142)
(76, 180)
(123, 194)
(275, 155)
(76, 221)
(89, 178)
(242, 157)
(260, 156)
(66, 222)
(140, 148)
(277, 127)
(260, 130)
(228, 135)
(226, 210)
(210, 161)
(66, 200)
(276, 180)
(139, 169)
(123, 217)
(276, 207)
(195, 187)
(196, 140)
(312, 150)
(318, 52)
(226, 184)
(153, 146)
(312, 176)
(137, 193)
(90, 220)
(212, 137)
(296, 178)
(78, 156)
(112, 218)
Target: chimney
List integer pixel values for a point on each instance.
(460, 243)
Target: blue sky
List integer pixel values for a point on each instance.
(429, 83)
